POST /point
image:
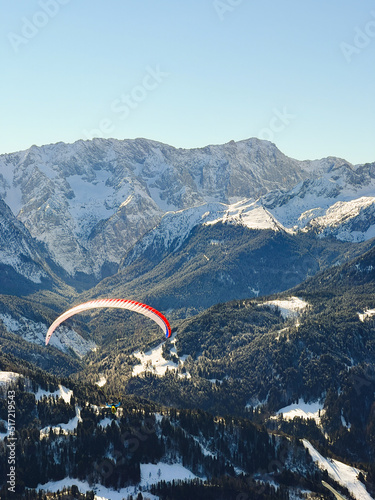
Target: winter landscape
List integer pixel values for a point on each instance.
(237, 360)
(240, 271)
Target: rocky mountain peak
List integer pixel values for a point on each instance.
(89, 202)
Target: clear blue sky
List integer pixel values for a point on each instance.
(191, 73)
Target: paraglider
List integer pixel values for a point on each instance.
(113, 407)
(130, 305)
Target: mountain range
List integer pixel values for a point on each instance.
(263, 264)
(91, 201)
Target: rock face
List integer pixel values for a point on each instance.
(90, 201)
(22, 261)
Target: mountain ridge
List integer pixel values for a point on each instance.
(91, 201)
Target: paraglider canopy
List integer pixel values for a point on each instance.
(130, 305)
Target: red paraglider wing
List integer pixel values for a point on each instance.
(130, 305)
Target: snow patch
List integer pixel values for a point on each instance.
(62, 392)
(153, 473)
(66, 429)
(105, 422)
(7, 378)
(102, 381)
(101, 492)
(154, 361)
(248, 213)
(256, 404)
(215, 381)
(290, 307)
(150, 474)
(302, 410)
(367, 314)
(344, 423)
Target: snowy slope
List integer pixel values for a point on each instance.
(18, 250)
(248, 214)
(62, 392)
(64, 338)
(290, 307)
(340, 203)
(7, 378)
(347, 220)
(341, 473)
(302, 410)
(176, 226)
(153, 361)
(68, 428)
(150, 474)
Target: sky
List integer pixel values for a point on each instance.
(191, 73)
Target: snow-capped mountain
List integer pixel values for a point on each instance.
(340, 202)
(347, 221)
(176, 226)
(91, 201)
